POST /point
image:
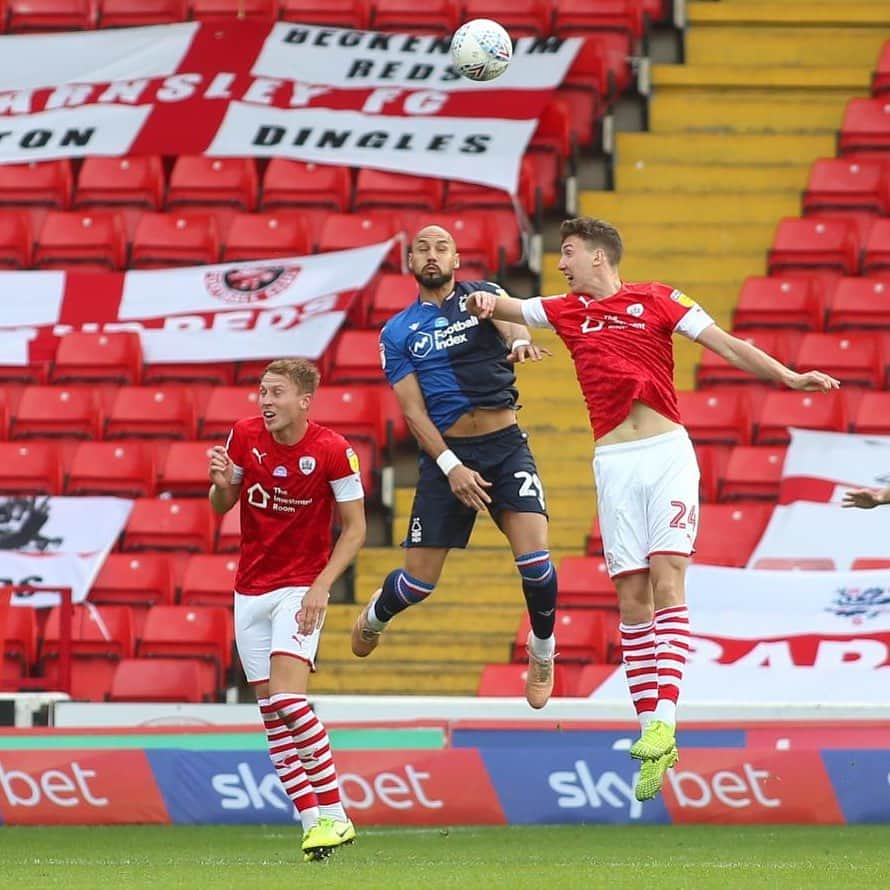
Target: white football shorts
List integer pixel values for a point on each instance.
(647, 496)
(266, 625)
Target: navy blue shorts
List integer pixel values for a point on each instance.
(503, 458)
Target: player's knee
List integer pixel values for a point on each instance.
(668, 590)
(536, 568)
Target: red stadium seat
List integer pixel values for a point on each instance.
(98, 358)
(805, 245)
(407, 16)
(38, 184)
(224, 10)
(552, 151)
(390, 294)
(63, 411)
(712, 461)
(585, 581)
(134, 13)
(521, 18)
(482, 255)
(584, 635)
(199, 182)
(226, 405)
(336, 13)
(19, 645)
(51, 15)
(591, 678)
(806, 564)
(858, 303)
(30, 467)
(84, 241)
(853, 357)
(215, 373)
(864, 563)
(837, 184)
(175, 239)
(125, 469)
(183, 472)
(15, 240)
(585, 87)
(228, 540)
(715, 417)
(300, 184)
(713, 370)
(379, 188)
(872, 414)
(151, 412)
(808, 410)
(137, 580)
(508, 681)
(866, 128)
(209, 580)
(593, 545)
(728, 533)
(622, 18)
(877, 250)
(121, 182)
(260, 236)
(357, 358)
(753, 472)
(341, 231)
(779, 302)
(159, 680)
(161, 524)
(880, 83)
(353, 410)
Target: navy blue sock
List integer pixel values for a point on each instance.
(400, 591)
(539, 586)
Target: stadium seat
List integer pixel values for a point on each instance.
(880, 83)
(63, 411)
(84, 241)
(162, 240)
(521, 18)
(716, 417)
(858, 303)
(712, 461)
(51, 15)
(209, 580)
(593, 545)
(853, 357)
(151, 412)
(584, 581)
(356, 358)
(336, 13)
(728, 533)
(622, 19)
(224, 10)
(508, 681)
(814, 244)
(876, 260)
(380, 188)
(226, 405)
(390, 294)
(19, 644)
(407, 16)
(228, 539)
(166, 524)
(300, 184)
(342, 231)
(249, 374)
(353, 410)
(482, 253)
(38, 184)
(587, 87)
(838, 184)
(199, 182)
(552, 151)
(123, 469)
(30, 468)
(806, 564)
(713, 370)
(214, 373)
(158, 680)
(872, 414)
(779, 302)
(584, 635)
(865, 563)
(15, 240)
(98, 358)
(753, 472)
(183, 472)
(260, 236)
(136, 580)
(865, 130)
(121, 182)
(135, 13)
(807, 410)
(591, 678)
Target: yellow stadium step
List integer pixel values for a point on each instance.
(751, 149)
(548, 444)
(643, 176)
(421, 648)
(437, 616)
(365, 676)
(707, 239)
(828, 14)
(502, 592)
(848, 80)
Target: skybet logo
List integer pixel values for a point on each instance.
(57, 787)
(737, 789)
(581, 788)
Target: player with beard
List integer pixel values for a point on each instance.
(454, 379)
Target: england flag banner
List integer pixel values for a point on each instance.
(331, 95)
(46, 541)
(255, 310)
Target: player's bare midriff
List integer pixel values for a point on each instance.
(480, 422)
(642, 423)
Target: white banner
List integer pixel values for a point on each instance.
(46, 541)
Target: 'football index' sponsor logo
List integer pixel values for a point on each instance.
(423, 343)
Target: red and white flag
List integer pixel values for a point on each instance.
(253, 310)
(330, 95)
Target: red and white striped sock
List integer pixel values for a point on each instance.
(314, 748)
(288, 765)
(671, 649)
(638, 655)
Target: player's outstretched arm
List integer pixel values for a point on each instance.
(485, 304)
(866, 498)
(224, 491)
(759, 363)
(519, 342)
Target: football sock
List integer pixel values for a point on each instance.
(539, 586)
(638, 656)
(671, 649)
(399, 592)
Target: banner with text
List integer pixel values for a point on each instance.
(254, 310)
(331, 95)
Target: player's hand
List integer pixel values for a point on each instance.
(311, 614)
(469, 487)
(814, 381)
(221, 467)
(528, 352)
(866, 498)
(482, 303)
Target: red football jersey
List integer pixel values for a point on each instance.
(622, 346)
(287, 502)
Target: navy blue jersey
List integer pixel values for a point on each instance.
(460, 361)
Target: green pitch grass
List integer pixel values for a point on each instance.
(514, 858)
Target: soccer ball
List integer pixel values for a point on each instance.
(481, 50)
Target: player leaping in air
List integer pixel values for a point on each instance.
(647, 477)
